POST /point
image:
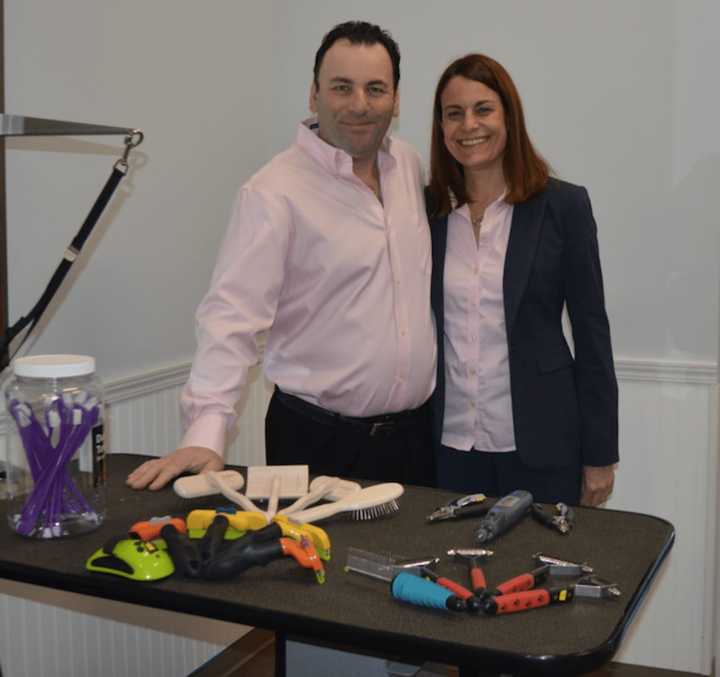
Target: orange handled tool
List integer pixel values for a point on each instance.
(477, 579)
(472, 603)
(477, 575)
(522, 582)
(305, 555)
(149, 530)
(527, 599)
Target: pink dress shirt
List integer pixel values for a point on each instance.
(478, 405)
(341, 281)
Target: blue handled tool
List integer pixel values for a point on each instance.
(422, 592)
(405, 578)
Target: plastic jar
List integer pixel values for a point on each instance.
(54, 453)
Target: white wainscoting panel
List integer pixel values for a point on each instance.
(50, 633)
(668, 468)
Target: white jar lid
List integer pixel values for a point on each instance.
(54, 366)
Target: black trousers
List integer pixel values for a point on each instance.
(398, 453)
(497, 474)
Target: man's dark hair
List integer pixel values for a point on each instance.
(360, 33)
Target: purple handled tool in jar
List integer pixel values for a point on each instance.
(55, 460)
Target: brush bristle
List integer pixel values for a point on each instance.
(375, 511)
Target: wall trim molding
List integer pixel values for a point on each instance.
(666, 371)
(627, 369)
(146, 383)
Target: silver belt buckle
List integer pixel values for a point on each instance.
(381, 427)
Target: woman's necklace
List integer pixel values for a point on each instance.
(477, 224)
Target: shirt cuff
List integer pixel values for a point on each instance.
(208, 431)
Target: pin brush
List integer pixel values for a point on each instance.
(368, 503)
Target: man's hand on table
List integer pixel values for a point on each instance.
(597, 484)
(157, 473)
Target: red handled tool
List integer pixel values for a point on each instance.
(527, 599)
(521, 594)
(472, 603)
(477, 575)
(522, 582)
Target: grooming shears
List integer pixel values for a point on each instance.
(466, 506)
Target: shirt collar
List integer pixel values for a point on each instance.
(494, 206)
(335, 159)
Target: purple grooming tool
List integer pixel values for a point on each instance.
(54, 494)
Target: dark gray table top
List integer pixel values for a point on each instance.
(626, 548)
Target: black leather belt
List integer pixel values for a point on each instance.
(383, 424)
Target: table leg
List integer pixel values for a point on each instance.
(280, 654)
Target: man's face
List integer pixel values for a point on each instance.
(354, 99)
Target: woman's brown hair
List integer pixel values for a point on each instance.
(526, 172)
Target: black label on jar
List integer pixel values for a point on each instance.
(98, 456)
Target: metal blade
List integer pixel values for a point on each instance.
(370, 564)
(22, 125)
(384, 565)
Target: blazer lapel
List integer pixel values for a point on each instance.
(438, 234)
(524, 236)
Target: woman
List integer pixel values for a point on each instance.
(511, 247)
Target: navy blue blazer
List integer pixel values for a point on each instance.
(562, 406)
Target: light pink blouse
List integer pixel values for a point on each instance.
(478, 405)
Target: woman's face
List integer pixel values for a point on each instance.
(473, 124)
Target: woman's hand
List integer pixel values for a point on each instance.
(157, 473)
(597, 484)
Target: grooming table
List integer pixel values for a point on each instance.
(357, 613)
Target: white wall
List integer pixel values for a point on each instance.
(619, 96)
(195, 78)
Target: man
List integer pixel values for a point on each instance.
(328, 249)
